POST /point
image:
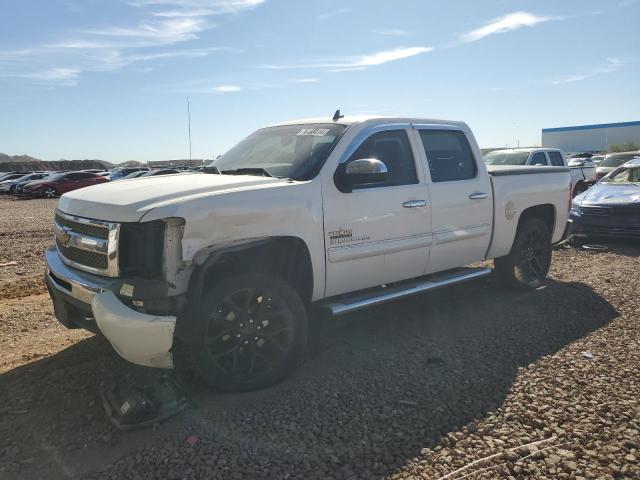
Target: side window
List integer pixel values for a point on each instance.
(449, 155)
(71, 176)
(556, 159)
(539, 158)
(391, 147)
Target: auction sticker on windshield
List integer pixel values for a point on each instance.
(313, 132)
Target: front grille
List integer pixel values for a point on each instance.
(83, 257)
(627, 210)
(596, 211)
(87, 244)
(605, 231)
(83, 228)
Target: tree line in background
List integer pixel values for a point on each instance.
(624, 147)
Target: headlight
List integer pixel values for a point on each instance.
(575, 208)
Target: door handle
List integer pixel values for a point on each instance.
(414, 203)
(478, 195)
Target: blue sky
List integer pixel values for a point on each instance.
(109, 79)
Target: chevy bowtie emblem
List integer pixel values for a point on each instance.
(66, 237)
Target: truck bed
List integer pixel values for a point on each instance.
(516, 188)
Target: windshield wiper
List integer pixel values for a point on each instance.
(247, 171)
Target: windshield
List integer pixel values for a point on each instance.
(624, 175)
(506, 158)
(55, 176)
(292, 151)
(617, 160)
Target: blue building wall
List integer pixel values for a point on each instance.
(591, 138)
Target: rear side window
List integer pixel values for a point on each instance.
(391, 147)
(539, 158)
(449, 155)
(556, 159)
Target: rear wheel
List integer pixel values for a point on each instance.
(528, 262)
(50, 192)
(251, 333)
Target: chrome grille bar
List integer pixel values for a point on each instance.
(87, 244)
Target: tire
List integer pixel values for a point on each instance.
(528, 263)
(580, 188)
(49, 192)
(236, 351)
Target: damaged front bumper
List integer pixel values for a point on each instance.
(83, 300)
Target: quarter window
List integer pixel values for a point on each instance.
(392, 148)
(556, 159)
(449, 155)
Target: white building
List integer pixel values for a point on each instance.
(591, 138)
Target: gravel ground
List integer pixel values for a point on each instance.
(25, 233)
(471, 382)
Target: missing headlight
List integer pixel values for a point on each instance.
(140, 249)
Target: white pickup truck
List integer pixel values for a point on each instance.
(583, 171)
(218, 271)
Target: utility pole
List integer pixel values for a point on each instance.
(189, 126)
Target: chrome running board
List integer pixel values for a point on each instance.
(363, 300)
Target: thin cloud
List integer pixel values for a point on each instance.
(165, 23)
(305, 80)
(58, 75)
(611, 65)
(214, 7)
(392, 32)
(506, 23)
(327, 15)
(227, 88)
(359, 62)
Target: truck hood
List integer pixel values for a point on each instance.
(604, 194)
(130, 200)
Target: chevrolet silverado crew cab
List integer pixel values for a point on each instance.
(583, 171)
(218, 271)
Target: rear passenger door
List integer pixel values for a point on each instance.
(461, 198)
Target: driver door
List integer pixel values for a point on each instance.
(378, 233)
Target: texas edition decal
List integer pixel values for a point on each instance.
(345, 236)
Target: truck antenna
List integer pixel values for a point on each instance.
(337, 116)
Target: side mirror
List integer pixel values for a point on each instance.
(364, 171)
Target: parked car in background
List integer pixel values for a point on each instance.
(120, 173)
(4, 175)
(7, 181)
(596, 159)
(611, 208)
(20, 186)
(161, 171)
(137, 174)
(613, 161)
(583, 172)
(13, 184)
(59, 183)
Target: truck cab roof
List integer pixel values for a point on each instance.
(372, 120)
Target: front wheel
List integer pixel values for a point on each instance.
(49, 192)
(251, 333)
(529, 261)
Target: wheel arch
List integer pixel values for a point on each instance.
(287, 257)
(545, 212)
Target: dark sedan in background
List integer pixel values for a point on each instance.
(611, 208)
(59, 183)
